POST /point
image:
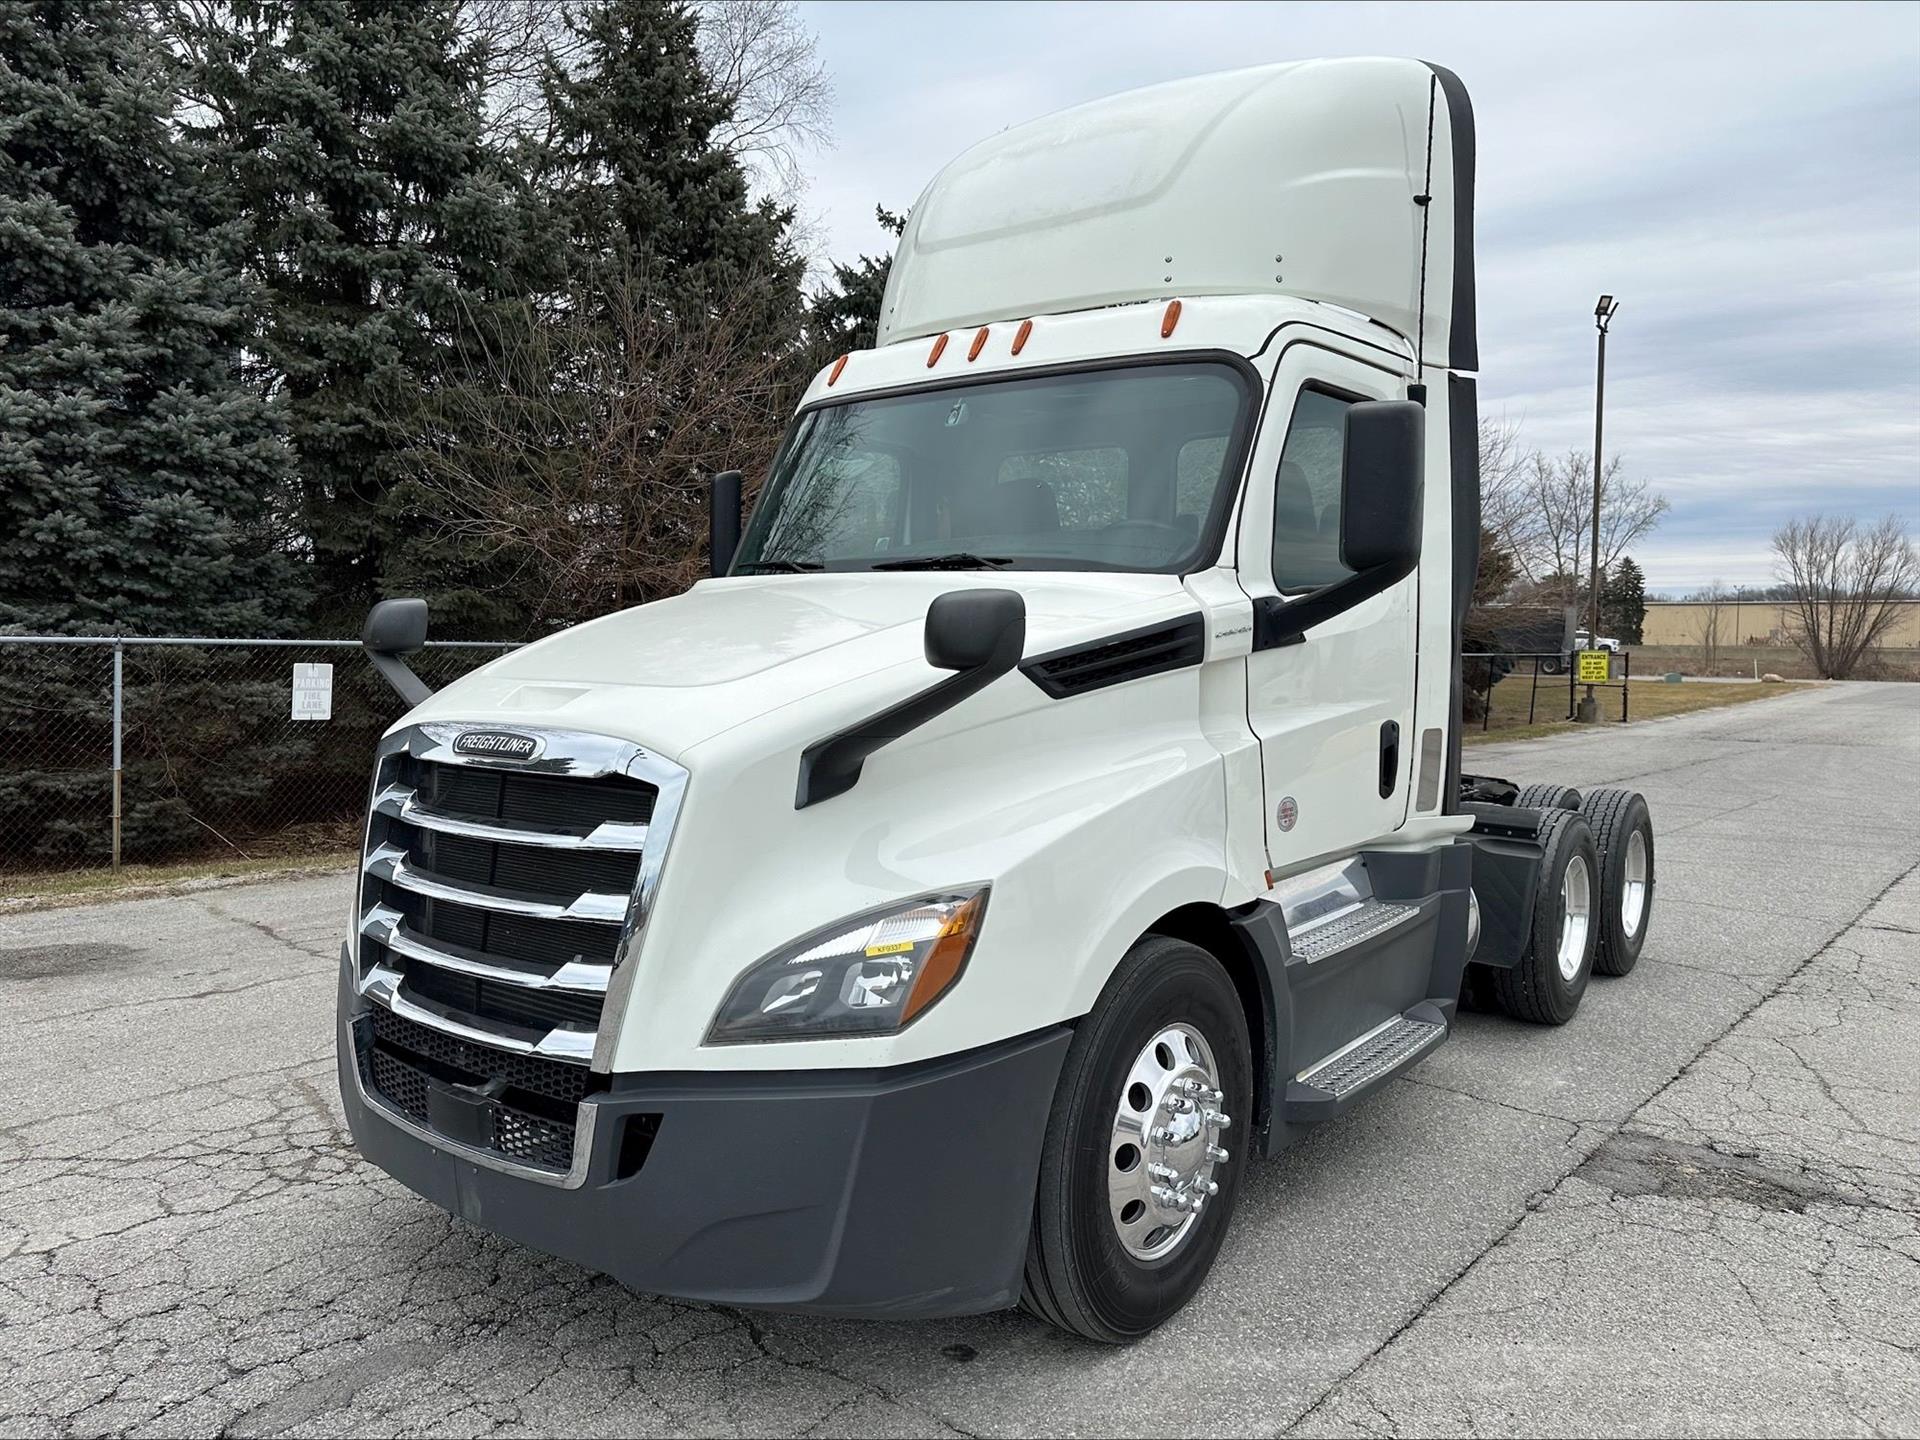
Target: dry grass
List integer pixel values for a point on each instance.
(1890, 663)
(45, 889)
(1648, 700)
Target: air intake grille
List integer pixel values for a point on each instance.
(466, 1063)
(577, 804)
(495, 901)
(1132, 656)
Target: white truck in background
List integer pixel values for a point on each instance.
(1051, 807)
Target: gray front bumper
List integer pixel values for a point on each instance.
(901, 1192)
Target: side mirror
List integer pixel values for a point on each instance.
(974, 629)
(723, 520)
(1381, 494)
(977, 633)
(395, 628)
(1381, 487)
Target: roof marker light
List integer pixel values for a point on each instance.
(838, 366)
(939, 348)
(979, 341)
(1170, 319)
(1020, 336)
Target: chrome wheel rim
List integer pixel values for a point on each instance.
(1576, 913)
(1633, 884)
(1165, 1144)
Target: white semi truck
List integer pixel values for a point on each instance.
(1053, 803)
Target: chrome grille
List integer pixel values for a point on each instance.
(499, 898)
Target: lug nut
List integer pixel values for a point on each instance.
(1217, 1119)
(1216, 1154)
(1163, 1172)
(1160, 1135)
(1177, 1104)
(1209, 1188)
(1163, 1196)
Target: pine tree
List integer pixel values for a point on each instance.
(1623, 601)
(380, 225)
(136, 466)
(643, 191)
(845, 315)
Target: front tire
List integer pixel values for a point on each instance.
(1546, 986)
(1137, 1180)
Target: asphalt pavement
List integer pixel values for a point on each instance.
(1695, 1209)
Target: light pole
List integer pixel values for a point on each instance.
(1603, 314)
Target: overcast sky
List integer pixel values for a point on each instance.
(1746, 179)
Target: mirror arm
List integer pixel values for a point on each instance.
(400, 676)
(1279, 621)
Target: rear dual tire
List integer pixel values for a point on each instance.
(1546, 986)
(1623, 834)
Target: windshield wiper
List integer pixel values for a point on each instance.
(783, 567)
(958, 560)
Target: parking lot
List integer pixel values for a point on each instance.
(1694, 1209)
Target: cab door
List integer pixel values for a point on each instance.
(1333, 710)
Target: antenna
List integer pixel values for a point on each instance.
(1418, 390)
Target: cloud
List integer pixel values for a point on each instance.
(1746, 179)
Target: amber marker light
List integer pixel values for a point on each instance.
(1020, 336)
(1170, 319)
(979, 344)
(947, 958)
(838, 366)
(939, 349)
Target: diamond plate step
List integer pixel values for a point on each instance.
(1349, 928)
(1373, 1055)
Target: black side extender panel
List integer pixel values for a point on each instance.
(1116, 659)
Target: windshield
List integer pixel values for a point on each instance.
(1129, 468)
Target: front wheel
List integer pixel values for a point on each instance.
(1139, 1174)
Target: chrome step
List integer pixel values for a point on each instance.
(1376, 1053)
(1344, 928)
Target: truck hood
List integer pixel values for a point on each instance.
(674, 673)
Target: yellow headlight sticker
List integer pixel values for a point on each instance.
(875, 951)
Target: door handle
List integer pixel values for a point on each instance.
(1389, 756)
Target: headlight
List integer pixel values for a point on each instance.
(870, 975)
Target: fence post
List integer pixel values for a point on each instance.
(1573, 688)
(118, 654)
(1533, 690)
(1626, 682)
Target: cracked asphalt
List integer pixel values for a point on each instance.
(1695, 1209)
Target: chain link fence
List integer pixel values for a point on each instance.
(145, 752)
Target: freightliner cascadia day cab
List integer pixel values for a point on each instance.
(1053, 803)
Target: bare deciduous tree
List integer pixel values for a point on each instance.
(1844, 585)
(1548, 519)
(759, 54)
(1504, 468)
(582, 459)
(1713, 601)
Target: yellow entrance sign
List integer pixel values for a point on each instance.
(1593, 667)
